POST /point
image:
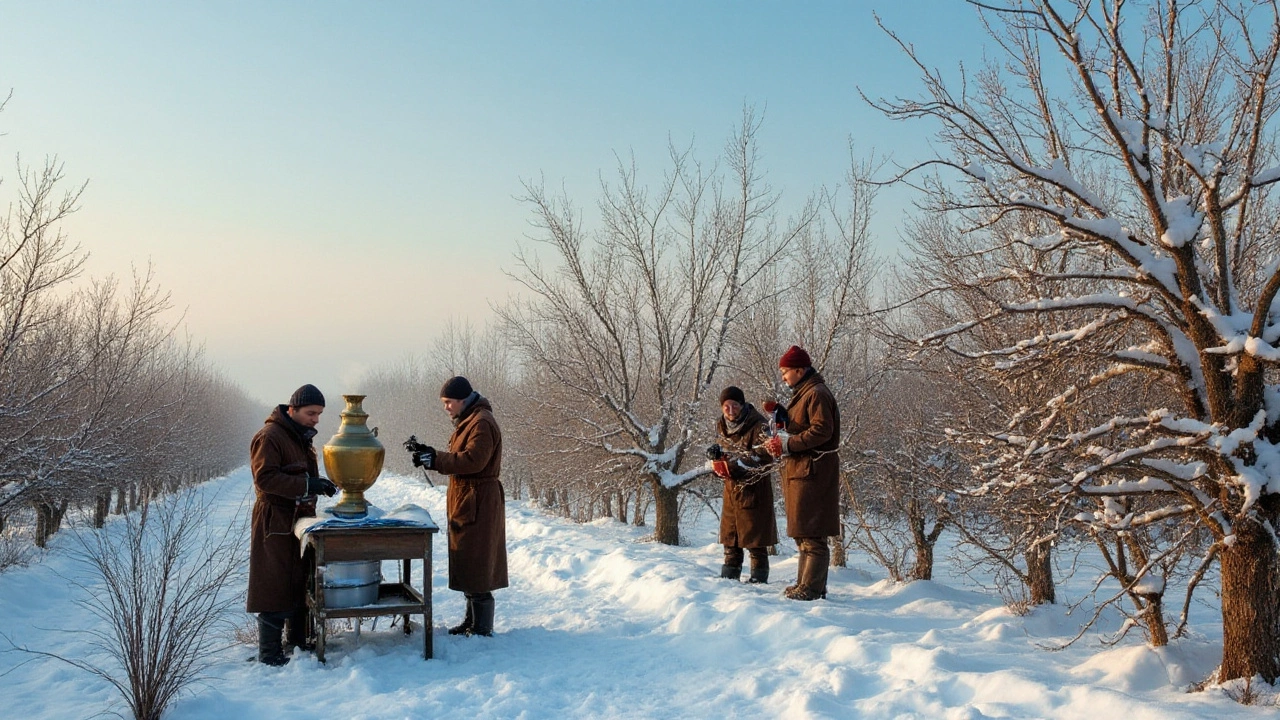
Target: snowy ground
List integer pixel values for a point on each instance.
(596, 625)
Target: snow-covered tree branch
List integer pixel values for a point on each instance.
(1110, 189)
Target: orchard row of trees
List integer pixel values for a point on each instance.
(1080, 347)
(102, 403)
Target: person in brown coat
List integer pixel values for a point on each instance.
(286, 481)
(809, 448)
(477, 517)
(746, 518)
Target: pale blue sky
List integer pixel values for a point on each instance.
(299, 170)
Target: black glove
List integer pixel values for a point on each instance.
(425, 459)
(715, 452)
(319, 485)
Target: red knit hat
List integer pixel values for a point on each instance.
(795, 357)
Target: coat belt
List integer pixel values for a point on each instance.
(276, 500)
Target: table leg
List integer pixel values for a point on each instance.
(318, 605)
(406, 579)
(320, 641)
(428, 624)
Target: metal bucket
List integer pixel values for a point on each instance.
(352, 583)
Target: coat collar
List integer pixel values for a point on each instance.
(811, 379)
(280, 416)
(475, 401)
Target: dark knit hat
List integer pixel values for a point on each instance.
(306, 395)
(795, 357)
(734, 393)
(457, 388)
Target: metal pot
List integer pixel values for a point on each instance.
(351, 583)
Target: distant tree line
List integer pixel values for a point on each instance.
(102, 402)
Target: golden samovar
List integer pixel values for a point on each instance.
(353, 458)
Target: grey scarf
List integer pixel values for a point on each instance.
(466, 407)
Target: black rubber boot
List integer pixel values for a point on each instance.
(467, 622)
(731, 572)
(270, 633)
(298, 631)
(482, 610)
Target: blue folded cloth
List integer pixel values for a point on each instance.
(404, 516)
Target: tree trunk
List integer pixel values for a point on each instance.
(622, 506)
(101, 505)
(1150, 605)
(48, 521)
(839, 555)
(1039, 559)
(42, 533)
(1250, 605)
(922, 569)
(121, 496)
(666, 504)
(641, 508)
(1153, 619)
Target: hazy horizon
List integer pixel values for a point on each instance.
(323, 186)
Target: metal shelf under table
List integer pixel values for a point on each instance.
(372, 542)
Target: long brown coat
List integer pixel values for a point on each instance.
(477, 517)
(282, 457)
(747, 519)
(811, 465)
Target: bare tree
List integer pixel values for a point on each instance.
(633, 320)
(162, 591)
(1007, 532)
(127, 392)
(39, 357)
(1151, 169)
(905, 461)
(95, 392)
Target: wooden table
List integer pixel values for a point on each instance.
(406, 544)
